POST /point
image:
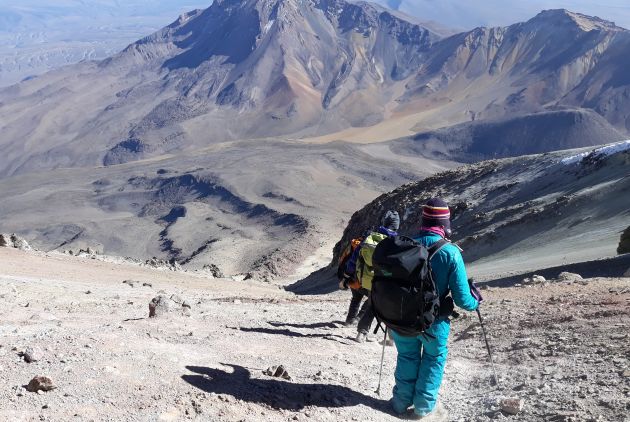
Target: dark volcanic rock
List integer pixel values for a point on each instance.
(40, 383)
(624, 242)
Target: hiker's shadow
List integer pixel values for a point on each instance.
(278, 394)
(288, 333)
(313, 326)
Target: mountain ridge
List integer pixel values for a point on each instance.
(271, 68)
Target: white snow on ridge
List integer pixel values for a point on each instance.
(603, 151)
(268, 26)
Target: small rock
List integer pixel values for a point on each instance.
(567, 276)
(277, 372)
(512, 406)
(618, 336)
(40, 384)
(44, 316)
(161, 305)
(213, 270)
(130, 283)
(147, 285)
(535, 279)
(31, 355)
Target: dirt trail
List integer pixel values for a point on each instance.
(564, 347)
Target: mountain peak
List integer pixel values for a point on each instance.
(583, 22)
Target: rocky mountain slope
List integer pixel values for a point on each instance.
(299, 68)
(556, 59)
(561, 347)
(237, 70)
(243, 207)
(522, 213)
(137, 152)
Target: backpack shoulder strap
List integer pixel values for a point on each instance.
(437, 247)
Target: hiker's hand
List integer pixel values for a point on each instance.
(345, 280)
(474, 291)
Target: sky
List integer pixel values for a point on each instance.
(467, 14)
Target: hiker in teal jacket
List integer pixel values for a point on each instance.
(421, 360)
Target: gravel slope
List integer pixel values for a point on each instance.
(563, 347)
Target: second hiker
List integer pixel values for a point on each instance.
(358, 274)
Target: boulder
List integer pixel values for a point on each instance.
(40, 384)
(160, 306)
(627, 273)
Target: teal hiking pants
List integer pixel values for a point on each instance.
(420, 368)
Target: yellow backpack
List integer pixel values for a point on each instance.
(365, 269)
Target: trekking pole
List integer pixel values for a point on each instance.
(485, 337)
(380, 372)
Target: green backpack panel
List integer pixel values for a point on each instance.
(365, 271)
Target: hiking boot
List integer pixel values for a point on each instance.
(399, 408)
(438, 414)
(351, 322)
(361, 337)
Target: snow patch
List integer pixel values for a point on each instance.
(268, 26)
(602, 152)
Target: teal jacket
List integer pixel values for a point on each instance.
(449, 272)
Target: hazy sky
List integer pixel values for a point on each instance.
(466, 14)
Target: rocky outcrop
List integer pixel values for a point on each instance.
(14, 241)
(624, 242)
(497, 204)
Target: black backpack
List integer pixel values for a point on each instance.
(404, 296)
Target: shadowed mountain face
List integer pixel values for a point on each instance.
(511, 137)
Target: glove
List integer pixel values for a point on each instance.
(343, 282)
(474, 291)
